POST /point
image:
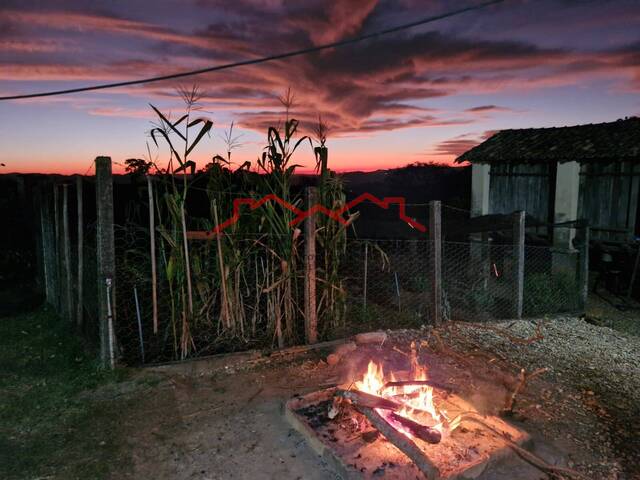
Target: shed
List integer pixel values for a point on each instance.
(562, 174)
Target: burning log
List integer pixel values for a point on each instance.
(363, 399)
(412, 383)
(401, 442)
(423, 432)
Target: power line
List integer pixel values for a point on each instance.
(256, 61)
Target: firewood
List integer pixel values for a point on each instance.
(411, 383)
(402, 443)
(423, 432)
(371, 337)
(363, 399)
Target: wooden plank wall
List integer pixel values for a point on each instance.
(520, 187)
(609, 198)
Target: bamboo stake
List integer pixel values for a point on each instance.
(310, 308)
(152, 247)
(186, 259)
(226, 320)
(135, 296)
(80, 306)
(111, 336)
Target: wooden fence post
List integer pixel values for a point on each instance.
(66, 247)
(152, 246)
(47, 244)
(366, 269)
(435, 244)
(518, 256)
(310, 310)
(584, 266)
(56, 249)
(80, 278)
(105, 244)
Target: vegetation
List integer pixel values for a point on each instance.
(242, 285)
(546, 293)
(49, 426)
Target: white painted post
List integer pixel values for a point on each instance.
(565, 210)
(480, 182)
(566, 203)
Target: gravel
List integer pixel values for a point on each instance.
(588, 401)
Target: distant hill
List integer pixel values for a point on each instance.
(418, 184)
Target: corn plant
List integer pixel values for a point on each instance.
(332, 237)
(178, 265)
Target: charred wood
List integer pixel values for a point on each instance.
(423, 432)
(363, 399)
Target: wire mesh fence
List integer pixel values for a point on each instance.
(552, 282)
(387, 283)
(240, 291)
(247, 295)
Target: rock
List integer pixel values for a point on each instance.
(370, 337)
(342, 350)
(333, 359)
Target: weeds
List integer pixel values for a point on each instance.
(47, 427)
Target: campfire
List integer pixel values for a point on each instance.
(403, 422)
(406, 405)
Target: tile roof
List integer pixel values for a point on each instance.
(597, 142)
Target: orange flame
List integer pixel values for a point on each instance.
(417, 400)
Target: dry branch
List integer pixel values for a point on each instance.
(526, 455)
(522, 383)
(512, 338)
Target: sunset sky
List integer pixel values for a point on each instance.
(426, 94)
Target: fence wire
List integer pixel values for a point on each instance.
(378, 283)
(388, 283)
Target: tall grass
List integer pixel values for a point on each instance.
(245, 282)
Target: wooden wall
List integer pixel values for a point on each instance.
(609, 199)
(522, 187)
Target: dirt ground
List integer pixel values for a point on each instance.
(223, 417)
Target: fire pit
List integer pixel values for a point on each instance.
(401, 425)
